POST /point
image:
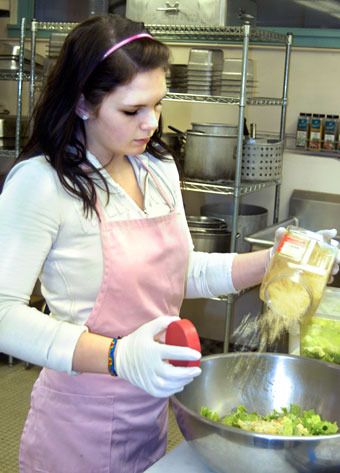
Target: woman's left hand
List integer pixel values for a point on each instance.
(329, 237)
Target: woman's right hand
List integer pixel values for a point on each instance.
(142, 361)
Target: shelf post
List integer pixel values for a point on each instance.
(239, 152)
(19, 87)
(32, 75)
(289, 42)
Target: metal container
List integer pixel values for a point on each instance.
(262, 160)
(251, 218)
(209, 234)
(175, 143)
(189, 12)
(265, 237)
(315, 209)
(209, 157)
(215, 128)
(261, 382)
(9, 58)
(196, 221)
(7, 130)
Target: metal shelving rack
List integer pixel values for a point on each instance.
(204, 34)
(244, 34)
(20, 76)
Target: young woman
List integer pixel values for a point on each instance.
(94, 211)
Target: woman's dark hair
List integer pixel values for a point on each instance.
(58, 132)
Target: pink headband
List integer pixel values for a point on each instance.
(124, 42)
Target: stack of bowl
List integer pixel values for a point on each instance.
(232, 76)
(204, 71)
(178, 78)
(209, 234)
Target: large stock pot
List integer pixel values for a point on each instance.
(210, 157)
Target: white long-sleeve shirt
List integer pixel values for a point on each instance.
(45, 235)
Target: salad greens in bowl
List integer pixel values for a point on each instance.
(221, 412)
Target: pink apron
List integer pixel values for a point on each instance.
(95, 423)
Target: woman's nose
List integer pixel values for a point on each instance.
(150, 121)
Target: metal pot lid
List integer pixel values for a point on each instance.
(205, 222)
(203, 135)
(208, 232)
(213, 125)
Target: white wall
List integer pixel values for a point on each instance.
(313, 87)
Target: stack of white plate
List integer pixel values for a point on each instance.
(232, 75)
(177, 78)
(204, 71)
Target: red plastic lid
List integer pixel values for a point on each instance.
(183, 333)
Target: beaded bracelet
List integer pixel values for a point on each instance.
(111, 360)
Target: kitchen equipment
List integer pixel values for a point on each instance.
(215, 128)
(9, 58)
(209, 234)
(232, 68)
(177, 80)
(7, 130)
(261, 382)
(265, 237)
(175, 143)
(55, 43)
(179, 132)
(205, 223)
(262, 160)
(251, 218)
(204, 71)
(231, 77)
(189, 12)
(183, 333)
(209, 157)
(315, 209)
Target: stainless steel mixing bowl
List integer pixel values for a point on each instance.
(262, 382)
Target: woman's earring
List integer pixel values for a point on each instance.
(81, 108)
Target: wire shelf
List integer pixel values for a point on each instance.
(213, 33)
(188, 32)
(7, 154)
(14, 75)
(222, 99)
(55, 26)
(225, 187)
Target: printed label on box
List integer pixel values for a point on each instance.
(292, 247)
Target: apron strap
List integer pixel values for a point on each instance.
(158, 184)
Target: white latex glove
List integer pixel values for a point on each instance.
(141, 360)
(328, 236)
(279, 232)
